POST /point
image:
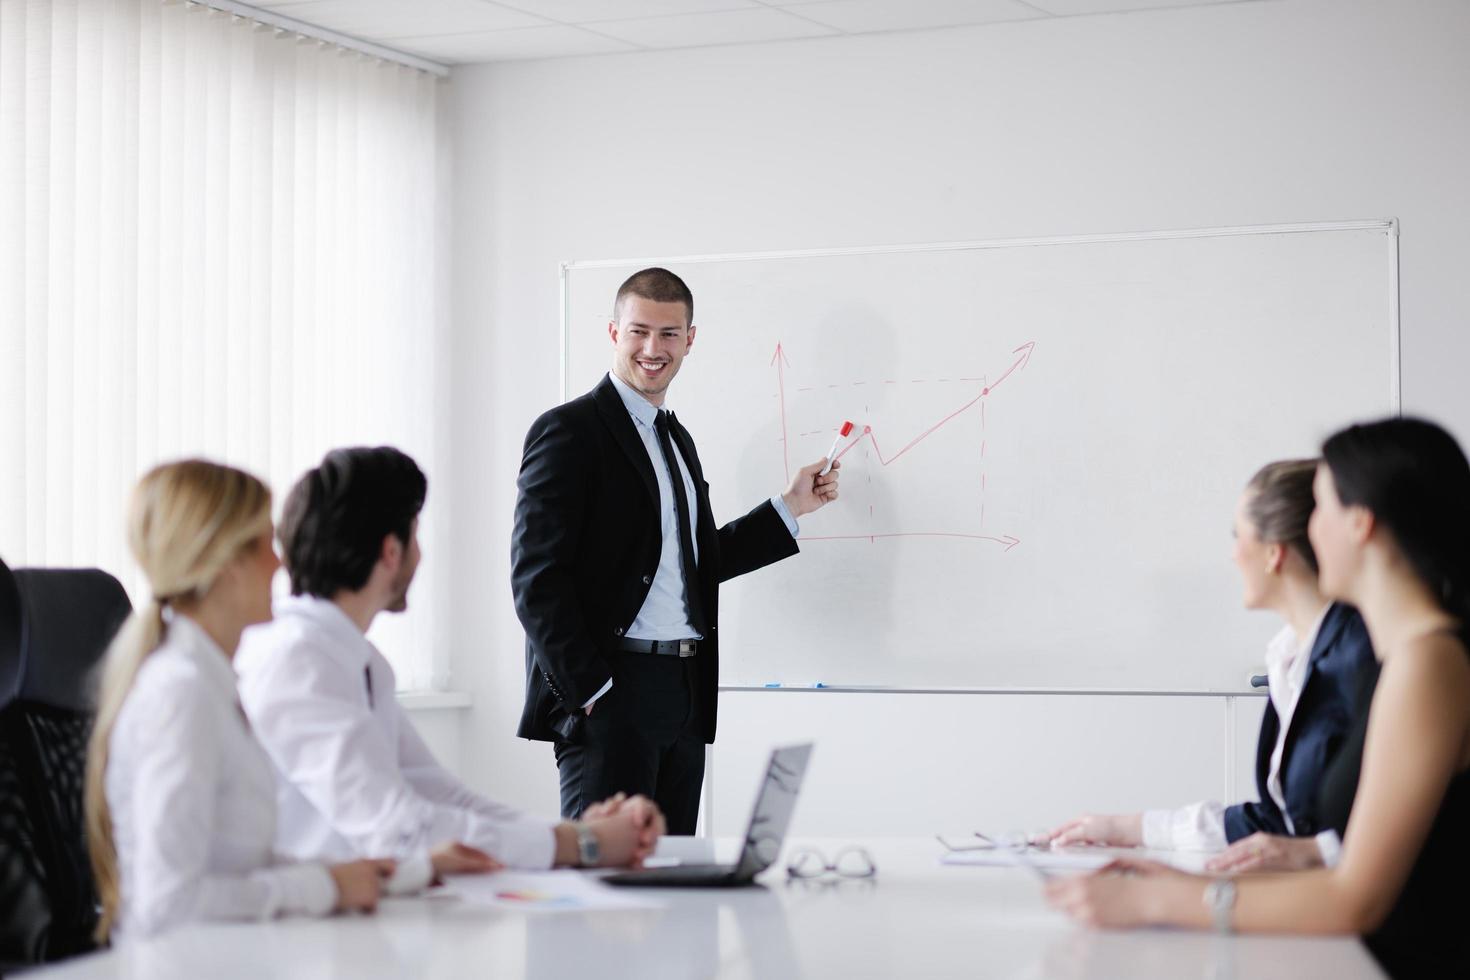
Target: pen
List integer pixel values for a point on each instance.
(842, 434)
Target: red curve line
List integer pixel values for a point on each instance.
(868, 430)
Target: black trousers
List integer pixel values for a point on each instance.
(643, 737)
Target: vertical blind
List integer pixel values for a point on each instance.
(216, 239)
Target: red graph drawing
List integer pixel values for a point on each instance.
(1007, 542)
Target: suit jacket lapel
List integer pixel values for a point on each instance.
(1331, 626)
(1265, 745)
(685, 445)
(620, 424)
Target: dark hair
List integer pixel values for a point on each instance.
(1280, 504)
(336, 516)
(1413, 477)
(658, 285)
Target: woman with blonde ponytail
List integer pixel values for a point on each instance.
(180, 798)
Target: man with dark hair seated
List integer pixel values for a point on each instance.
(356, 777)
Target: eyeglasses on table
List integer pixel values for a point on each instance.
(849, 862)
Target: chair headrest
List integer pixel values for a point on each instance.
(10, 669)
(66, 619)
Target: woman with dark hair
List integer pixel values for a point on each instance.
(1392, 533)
(1315, 664)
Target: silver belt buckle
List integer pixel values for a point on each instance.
(687, 648)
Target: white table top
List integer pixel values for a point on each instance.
(916, 919)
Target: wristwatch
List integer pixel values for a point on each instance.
(588, 851)
(1220, 900)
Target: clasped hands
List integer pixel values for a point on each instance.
(627, 830)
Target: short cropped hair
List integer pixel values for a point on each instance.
(658, 285)
(336, 517)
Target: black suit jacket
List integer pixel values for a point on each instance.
(1320, 723)
(585, 548)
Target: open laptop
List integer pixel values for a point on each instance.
(774, 803)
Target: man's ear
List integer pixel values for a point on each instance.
(391, 553)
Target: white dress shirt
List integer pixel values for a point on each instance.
(355, 778)
(1201, 826)
(193, 799)
(665, 611)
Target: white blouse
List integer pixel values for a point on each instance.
(1201, 826)
(192, 798)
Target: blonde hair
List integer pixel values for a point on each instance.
(186, 521)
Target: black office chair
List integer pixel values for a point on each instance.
(55, 625)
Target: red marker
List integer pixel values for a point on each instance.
(842, 434)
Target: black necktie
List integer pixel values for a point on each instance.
(686, 540)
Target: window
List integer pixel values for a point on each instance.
(217, 239)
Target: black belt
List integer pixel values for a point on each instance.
(666, 648)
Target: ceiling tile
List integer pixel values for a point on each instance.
(592, 11)
(552, 41)
(695, 30)
(1069, 7)
(375, 19)
(861, 16)
(463, 31)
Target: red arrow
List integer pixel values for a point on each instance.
(1025, 351)
(781, 363)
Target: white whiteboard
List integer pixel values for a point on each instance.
(1053, 435)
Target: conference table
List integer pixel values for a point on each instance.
(915, 918)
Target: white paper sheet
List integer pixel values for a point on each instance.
(1036, 857)
(545, 891)
(1070, 858)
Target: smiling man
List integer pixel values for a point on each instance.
(616, 566)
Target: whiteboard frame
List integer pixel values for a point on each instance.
(1389, 226)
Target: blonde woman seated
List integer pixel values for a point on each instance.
(180, 800)
(1392, 531)
(1316, 664)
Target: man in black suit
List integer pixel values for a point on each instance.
(616, 563)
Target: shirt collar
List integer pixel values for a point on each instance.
(327, 616)
(640, 408)
(1316, 630)
(190, 639)
(1287, 655)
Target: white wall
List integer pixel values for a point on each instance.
(440, 728)
(1296, 110)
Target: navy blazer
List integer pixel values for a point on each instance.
(1324, 715)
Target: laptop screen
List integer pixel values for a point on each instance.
(774, 804)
